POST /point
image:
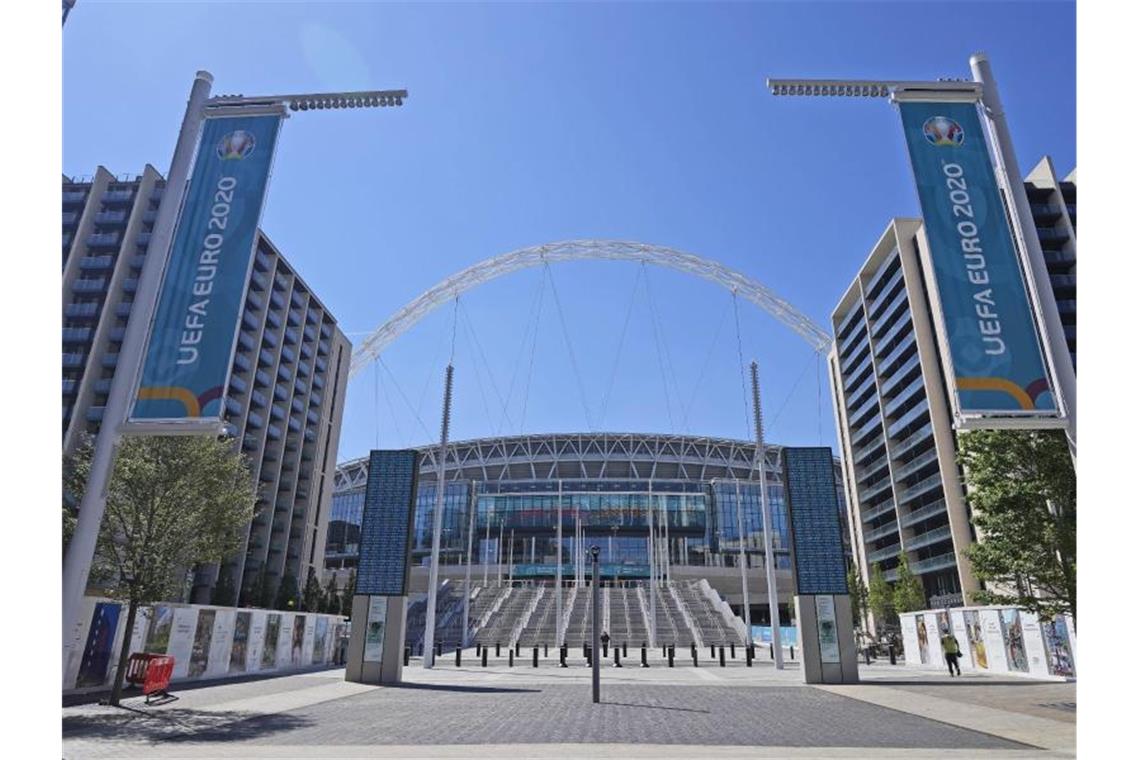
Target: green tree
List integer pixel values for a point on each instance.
(172, 502)
(880, 599)
(347, 593)
(311, 595)
(1022, 491)
(286, 598)
(332, 597)
(908, 593)
(858, 591)
(223, 593)
(76, 468)
(260, 594)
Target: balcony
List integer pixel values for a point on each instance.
(288, 355)
(242, 363)
(886, 365)
(902, 423)
(1063, 282)
(922, 435)
(96, 263)
(1045, 212)
(90, 286)
(95, 413)
(915, 465)
(81, 310)
(118, 196)
(318, 383)
(263, 378)
(887, 293)
(258, 280)
(111, 217)
(76, 334)
(322, 365)
(856, 376)
(1059, 258)
(877, 511)
(868, 494)
(903, 396)
(110, 360)
(265, 358)
(237, 383)
(1051, 239)
(103, 385)
(883, 317)
(890, 529)
(886, 552)
(853, 358)
(934, 563)
(873, 426)
(919, 488)
(1067, 306)
(899, 375)
(932, 509)
(902, 323)
(928, 538)
(866, 471)
(143, 239)
(254, 301)
(310, 334)
(858, 333)
(130, 285)
(73, 197)
(124, 308)
(104, 240)
(862, 454)
(858, 416)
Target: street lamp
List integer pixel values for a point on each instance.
(981, 89)
(81, 550)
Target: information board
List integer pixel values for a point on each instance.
(386, 524)
(813, 511)
(828, 629)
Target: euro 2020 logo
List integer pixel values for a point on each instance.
(943, 132)
(236, 145)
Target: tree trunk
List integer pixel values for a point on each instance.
(124, 653)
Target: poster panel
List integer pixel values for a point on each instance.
(192, 337)
(99, 648)
(1013, 639)
(320, 638)
(200, 651)
(1057, 646)
(995, 641)
(828, 629)
(256, 639)
(182, 639)
(158, 630)
(374, 630)
(222, 640)
(269, 647)
(987, 327)
(923, 638)
(910, 639)
(298, 641)
(74, 641)
(1034, 644)
(240, 642)
(307, 643)
(977, 644)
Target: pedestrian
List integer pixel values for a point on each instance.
(951, 652)
(605, 637)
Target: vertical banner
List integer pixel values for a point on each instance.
(988, 329)
(828, 631)
(192, 338)
(374, 630)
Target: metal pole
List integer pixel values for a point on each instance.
(499, 553)
(652, 573)
(558, 573)
(81, 550)
(769, 560)
(437, 521)
(467, 572)
(1037, 274)
(743, 566)
(486, 553)
(595, 649)
(511, 560)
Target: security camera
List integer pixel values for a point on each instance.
(594, 551)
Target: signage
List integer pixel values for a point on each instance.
(374, 629)
(987, 328)
(386, 523)
(192, 338)
(828, 629)
(813, 511)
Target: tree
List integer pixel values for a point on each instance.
(172, 502)
(332, 598)
(1022, 491)
(880, 599)
(286, 598)
(260, 594)
(223, 593)
(858, 590)
(311, 596)
(908, 593)
(76, 468)
(347, 594)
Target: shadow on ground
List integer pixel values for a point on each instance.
(179, 725)
(455, 687)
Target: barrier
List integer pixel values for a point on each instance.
(722, 656)
(136, 668)
(159, 669)
(534, 659)
(671, 652)
(644, 657)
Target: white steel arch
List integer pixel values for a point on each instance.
(577, 250)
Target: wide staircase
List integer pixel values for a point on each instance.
(502, 623)
(627, 622)
(539, 629)
(448, 618)
(709, 622)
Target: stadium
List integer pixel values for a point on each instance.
(670, 500)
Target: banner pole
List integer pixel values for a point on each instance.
(1040, 288)
(81, 550)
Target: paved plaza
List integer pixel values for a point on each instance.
(517, 712)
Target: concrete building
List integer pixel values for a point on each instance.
(285, 395)
(893, 415)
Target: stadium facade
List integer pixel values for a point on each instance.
(504, 495)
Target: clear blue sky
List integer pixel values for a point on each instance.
(537, 123)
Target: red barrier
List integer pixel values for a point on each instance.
(136, 668)
(158, 672)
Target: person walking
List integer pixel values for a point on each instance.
(951, 652)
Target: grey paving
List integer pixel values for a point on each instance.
(432, 714)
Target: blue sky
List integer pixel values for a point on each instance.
(533, 123)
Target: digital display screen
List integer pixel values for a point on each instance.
(817, 538)
(386, 524)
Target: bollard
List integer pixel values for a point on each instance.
(644, 657)
(534, 660)
(748, 656)
(625, 649)
(510, 658)
(722, 656)
(458, 656)
(439, 649)
(771, 652)
(562, 656)
(478, 649)
(605, 649)
(712, 651)
(517, 650)
(617, 657)
(545, 650)
(484, 656)
(664, 650)
(891, 649)
(407, 655)
(867, 655)
(792, 651)
(586, 649)
(671, 651)
(693, 649)
(584, 652)
(732, 649)
(497, 653)
(696, 660)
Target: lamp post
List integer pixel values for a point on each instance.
(983, 90)
(81, 550)
(595, 634)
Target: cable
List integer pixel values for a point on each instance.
(708, 360)
(740, 356)
(621, 343)
(530, 324)
(479, 381)
(660, 358)
(404, 396)
(490, 375)
(376, 400)
(388, 399)
(570, 348)
(533, 345)
(819, 396)
(771, 424)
